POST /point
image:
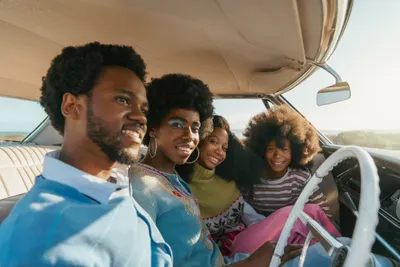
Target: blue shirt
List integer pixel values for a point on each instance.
(70, 218)
(168, 200)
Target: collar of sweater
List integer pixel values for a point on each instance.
(202, 174)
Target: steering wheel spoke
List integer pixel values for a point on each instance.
(305, 249)
(328, 242)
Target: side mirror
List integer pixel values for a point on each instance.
(333, 94)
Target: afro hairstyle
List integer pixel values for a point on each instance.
(279, 124)
(176, 91)
(76, 71)
(240, 165)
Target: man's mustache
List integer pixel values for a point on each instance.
(135, 125)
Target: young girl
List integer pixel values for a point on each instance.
(287, 142)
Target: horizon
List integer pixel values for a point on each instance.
(378, 131)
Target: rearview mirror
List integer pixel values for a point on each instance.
(333, 94)
(338, 92)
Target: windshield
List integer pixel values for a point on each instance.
(18, 118)
(238, 112)
(369, 61)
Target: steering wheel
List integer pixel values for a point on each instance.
(364, 233)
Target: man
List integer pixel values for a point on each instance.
(74, 215)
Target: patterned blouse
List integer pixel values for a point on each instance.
(168, 200)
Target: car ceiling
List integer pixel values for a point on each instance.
(237, 47)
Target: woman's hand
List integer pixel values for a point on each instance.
(291, 252)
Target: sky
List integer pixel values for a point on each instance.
(18, 115)
(367, 57)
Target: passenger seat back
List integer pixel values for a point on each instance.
(328, 188)
(19, 165)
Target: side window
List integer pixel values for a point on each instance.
(238, 112)
(18, 118)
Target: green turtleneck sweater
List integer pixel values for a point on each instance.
(214, 194)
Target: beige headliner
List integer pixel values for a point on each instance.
(238, 47)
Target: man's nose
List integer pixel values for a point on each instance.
(137, 114)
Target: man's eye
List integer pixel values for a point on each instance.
(224, 148)
(123, 100)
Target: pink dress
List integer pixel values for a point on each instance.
(255, 235)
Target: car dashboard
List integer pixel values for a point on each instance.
(347, 176)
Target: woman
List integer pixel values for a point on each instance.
(223, 166)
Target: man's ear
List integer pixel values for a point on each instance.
(71, 106)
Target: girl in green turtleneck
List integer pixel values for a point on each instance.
(222, 167)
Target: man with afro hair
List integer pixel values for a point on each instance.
(287, 143)
(76, 214)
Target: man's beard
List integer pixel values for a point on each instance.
(109, 140)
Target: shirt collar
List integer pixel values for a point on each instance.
(89, 185)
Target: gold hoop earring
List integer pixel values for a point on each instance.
(152, 155)
(198, 155)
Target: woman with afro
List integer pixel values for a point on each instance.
(287, 142)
